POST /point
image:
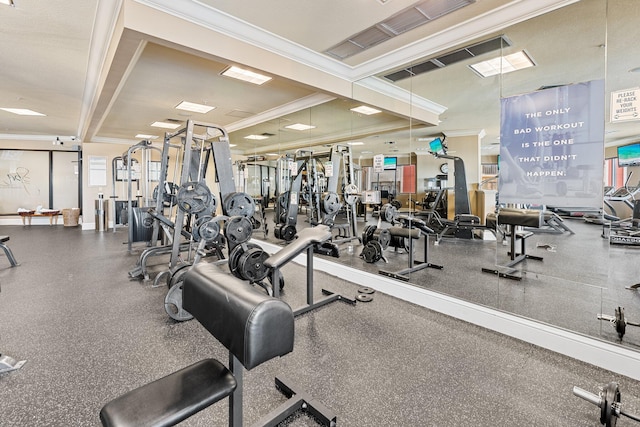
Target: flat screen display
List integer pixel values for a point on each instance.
(436, 147)
(390, 163)
(629, 155)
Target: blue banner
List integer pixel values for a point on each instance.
(552, 146)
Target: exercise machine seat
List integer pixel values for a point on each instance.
(253, 326)
(169, 400)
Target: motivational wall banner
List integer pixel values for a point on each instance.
(552, 146)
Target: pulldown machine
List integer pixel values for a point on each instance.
(463, 223)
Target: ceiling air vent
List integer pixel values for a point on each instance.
(467, 52)
(408, 19)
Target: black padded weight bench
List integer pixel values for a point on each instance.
(412, 228)
(462, 226)
(515, 218)
(253, 326)
(7, 251)
(306, 240)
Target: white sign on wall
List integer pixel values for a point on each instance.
(624, 105)
(378, 163)
(328, 169)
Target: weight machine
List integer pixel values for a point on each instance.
(626, 231)
(320, 192)
(463, 223)
(200, 143)
(129, 169)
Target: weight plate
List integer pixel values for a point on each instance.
(388, 213)
(196, 228)
(364, 297)
(173, 303)
(351, 194)
(610, 397)
(194, 197)
(239, 204)
(251, 265)
(238, 229)
(285, 232)
(367, 233)
(280, 279)
(366, 291)
(371, 252)
(209, 231)
(235, 255)
(384, 237)
(620, 322)
(169, 194)
(331, 203)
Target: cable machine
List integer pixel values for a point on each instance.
(143, 173)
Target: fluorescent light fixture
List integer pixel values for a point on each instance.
(505, 64)
(300, 126)
(232, 145)
(22, 112)
(145, 136)
(196, 108)
(256, 137)
(165, 125)
(363, 109)
(366, 152)
(245, 75)
(272, 154)
(7, 2)
(356, 143)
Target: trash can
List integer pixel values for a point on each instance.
(101, 213)
(70, 217)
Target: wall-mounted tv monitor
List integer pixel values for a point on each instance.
(390, 163)
(436, 147)
(629, 155)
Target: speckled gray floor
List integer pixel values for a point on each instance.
(89, 333)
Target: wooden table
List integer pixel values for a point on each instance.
(53, 216)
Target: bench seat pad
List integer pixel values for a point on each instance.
(252, 325)
(169, 400)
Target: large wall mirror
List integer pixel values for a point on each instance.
(576, 53)
(582, 58)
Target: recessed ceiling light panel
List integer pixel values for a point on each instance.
(356, 143)
(196, 108)
(22, 112)
(300, 126)
(363, 109)
(245, 75)
(165, 125)
(503, 64)
(256, 137)
(145, 136)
